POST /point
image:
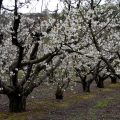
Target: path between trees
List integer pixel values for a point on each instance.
(100, 104)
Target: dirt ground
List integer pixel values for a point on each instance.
(99, 104)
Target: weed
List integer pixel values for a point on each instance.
(103, 104)
(114, 85)
(107, 90)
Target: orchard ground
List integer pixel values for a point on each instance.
(99, 104)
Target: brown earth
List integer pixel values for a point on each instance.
(100, 104)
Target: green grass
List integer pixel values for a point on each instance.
(107, 89)
(117, 85)
(25, 116)
(103, 104)
(22, 116)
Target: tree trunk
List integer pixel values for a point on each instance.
(17, 103)
(86, 86)
(100, 83)
(113, 79)
(59, 93)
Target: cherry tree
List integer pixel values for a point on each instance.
(86, 33)
(27, 49)
(93, 25)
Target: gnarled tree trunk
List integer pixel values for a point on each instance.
(86, 86)
(17, 103)
(113, 79)
(59, 93)
(100, 83)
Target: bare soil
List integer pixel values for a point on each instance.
(99, 104)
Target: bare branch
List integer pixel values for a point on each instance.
(1, 4)
(4, 88)
(32, 85)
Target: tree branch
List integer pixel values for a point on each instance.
(4, 89)
(1, 4)
(32, 85)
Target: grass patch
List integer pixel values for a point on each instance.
(86, 96)
(17, 117)
(107, 90)
(63, 104)
(3, 116)
(103, 104)
(117, 85)
(24, 115)
(48, 104)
